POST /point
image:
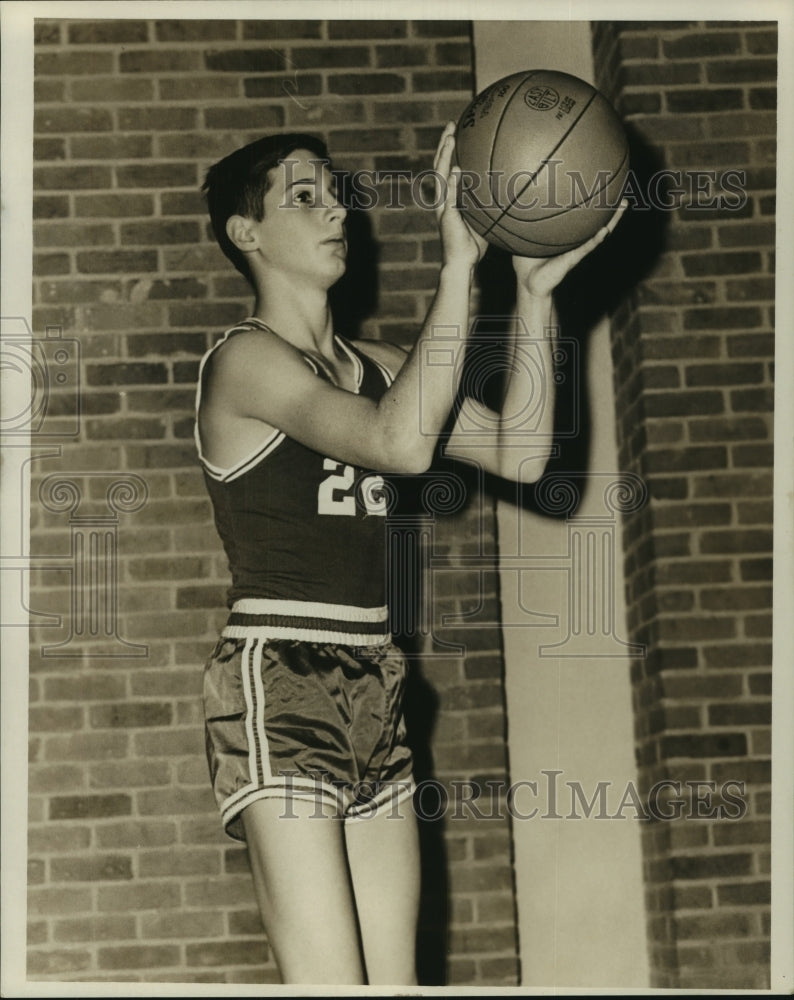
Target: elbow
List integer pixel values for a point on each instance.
(526, 470)
(409, 459)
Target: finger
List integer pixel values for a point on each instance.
(443, 157)
(447, 189)
(602, 233)
(610, 226)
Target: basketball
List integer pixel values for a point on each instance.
(544, 158)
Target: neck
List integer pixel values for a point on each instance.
(302, 317)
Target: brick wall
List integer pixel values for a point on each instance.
(130, 877)
(693, 352)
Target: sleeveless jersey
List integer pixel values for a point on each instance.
(305, 534)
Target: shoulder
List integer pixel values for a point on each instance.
(248, 360)
(243, 346)
(390, 356)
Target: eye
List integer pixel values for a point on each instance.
(305, 197)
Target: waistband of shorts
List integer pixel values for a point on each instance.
(309, 621)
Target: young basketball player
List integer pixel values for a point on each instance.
(295, 425)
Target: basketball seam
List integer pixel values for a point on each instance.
(510, 100)
(591, 194)
(562, 139)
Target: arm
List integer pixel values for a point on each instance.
(517, 442)
(260, 378)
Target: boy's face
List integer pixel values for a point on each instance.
(303, 229)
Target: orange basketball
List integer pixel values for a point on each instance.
(545, 158)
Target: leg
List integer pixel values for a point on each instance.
(303, 888)
(383, 854)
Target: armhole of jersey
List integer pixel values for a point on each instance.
(262, 450)
(353, 355)
(388, 378)
(356, 353)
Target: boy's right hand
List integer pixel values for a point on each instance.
(459, 243)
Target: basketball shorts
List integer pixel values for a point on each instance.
(289, 719)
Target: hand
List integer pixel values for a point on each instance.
(459, 242)
(541, 275)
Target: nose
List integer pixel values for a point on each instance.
(337, 209)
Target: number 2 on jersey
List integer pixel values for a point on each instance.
(335, 495)
(336, 492)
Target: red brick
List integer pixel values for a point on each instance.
(710, 865)
(73, 119)
(751, 655)
(47, 89)
(87, 746)
(186, 862)
(114, 147)
(48, 149)
(138, 956)
(722, 318)
(69, 178)
(136, 834)
(189, 925)
(130, 715)
(104, 89)
(746, 429)
(714, 925)
(157, 175)
(690, 99)
(366, 83)
(61, 961)
(98, 868)
(441, 29)
(281, 29)
(86, 806)
(752, 714)
(194, 30)
(659, 74)
(736, 541)
(174, 801)
(639, 103)
(752, 455)
(159, 60)
(761, 41)
(73, 63)
(702, 45)
(365, 29)
(253, 116)
(226, 953)
(741, 70)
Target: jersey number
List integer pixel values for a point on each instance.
(337, 491)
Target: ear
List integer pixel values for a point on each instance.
(241, 232)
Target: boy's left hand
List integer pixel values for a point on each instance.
(541, 275)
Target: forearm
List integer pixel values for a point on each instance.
(527, 413)
(412, 413)
(516, 442)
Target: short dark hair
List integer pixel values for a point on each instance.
(237, 184)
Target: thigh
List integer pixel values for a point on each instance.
(303, 888)
(383, 855)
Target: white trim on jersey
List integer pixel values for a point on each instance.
(268, 633)
(387, 375)
(359, 367)
(308, 609)
(256, 456)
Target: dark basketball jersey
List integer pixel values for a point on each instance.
(305, 534)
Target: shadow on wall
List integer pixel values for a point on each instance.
(593, 290)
